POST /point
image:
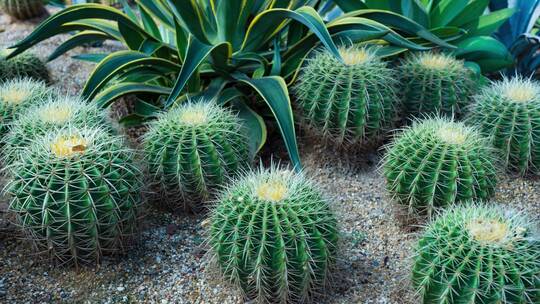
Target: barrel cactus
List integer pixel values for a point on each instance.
(437, 162)
(53, 113)
(352, 101)
(435, 83)
(273, 234)
(76, 193)
(478, 254)
(17, 95)
(23, 9)
(23, 65)
(192, 150)
(508, 112)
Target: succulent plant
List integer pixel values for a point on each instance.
(508, 112)
(350, 101)
(76, 193)
(437, 162)
(23, 9)
(53, 113)
(435, 83)
(273, 234)
(478, 254)
(17, 95)
(24, 65)
(193, 149)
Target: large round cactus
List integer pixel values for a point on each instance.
(23, 9)
(193, 149)
(53, 113)
(478, 254)
(76, 193)
(274, 235)
(23, 65)
(435, 84)
(437, 162)
(508, 112)
(350, 101)
(17, 95)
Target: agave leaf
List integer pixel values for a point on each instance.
(488, 24)
(79, 39)
(191, 16)
(445, 11)
(112, 93)
(255, 126)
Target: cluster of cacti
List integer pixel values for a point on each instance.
(348, 101)
(437, 162)
(193, 149)
(273, 234)
(508, 112)
(54, 113)
(435, 83)
(21, 66)
(23, 9)
(76, 193)
(16, 96)
(478, 254)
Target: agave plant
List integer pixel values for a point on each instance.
(462, 22)
(222, 50)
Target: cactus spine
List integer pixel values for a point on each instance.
(53, 113)
(437, 162)
(76, 193)
(23, 65)
(508, 112)
(193, 149)
(274, 236)
(435, 84)
(350, 101)
(478, 254)
(23, 9)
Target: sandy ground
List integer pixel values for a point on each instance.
(169, 266)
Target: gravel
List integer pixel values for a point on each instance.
(169, 265)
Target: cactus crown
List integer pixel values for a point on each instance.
(18, 91)
(356, 55)
(438, 62)
(478, 254)
(68, 146)
(517, 89)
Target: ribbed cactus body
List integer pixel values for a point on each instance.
(435, 84)
(76, 193)
(193, 149)
(478, 254)
(16, 96)
(509, 113)
(274, 235)
(437, 162)
(23, 9)
(54, 113)
(350, 101)
(23, 65)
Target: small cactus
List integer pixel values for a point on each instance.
(435, 83)
(23, 9)
(76, 194)
(16, 96)
(478, 254)
(193, 149)
(23, 65)
(273, 234)
(437, 162)
(54, 113)
(508, 112)
(350, 101)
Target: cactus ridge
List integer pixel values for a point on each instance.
(193, 149)
(17, 95)
(435, 83)
(23, 65)
(273, 234)
(76, 193)
(478, 254)
(23, 9)
(508, 112)
(350, 101)
(437, 162)
(53, 113)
